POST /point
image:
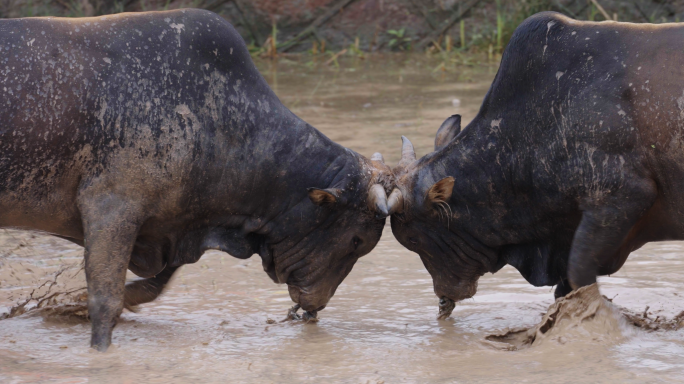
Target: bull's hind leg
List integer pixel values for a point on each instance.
(146, 290)
(110, 227)
(603, 229)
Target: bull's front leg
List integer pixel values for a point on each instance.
(110, 226)
(603, 230)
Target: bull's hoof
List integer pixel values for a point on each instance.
(101, 347)
(100, 341)
(292, 314)
(132, 308)
(310, 317)
(446, 306)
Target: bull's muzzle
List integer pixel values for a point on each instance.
(308, 301)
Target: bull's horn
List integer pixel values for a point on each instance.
(408, 155)
(377, 156)
(377, 201)
(407, 152)
(395, 202)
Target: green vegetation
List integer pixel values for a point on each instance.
(500, 25)
(399, 40)
(483, 32)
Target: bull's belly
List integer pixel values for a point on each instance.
(667, 215)
(56, 218)
(44, 202)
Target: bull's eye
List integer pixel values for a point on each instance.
(413, 240)
(356, 241)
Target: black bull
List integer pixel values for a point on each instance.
(150, 138)
(575, 159)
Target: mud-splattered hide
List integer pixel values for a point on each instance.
(151, 138)
(574, 160)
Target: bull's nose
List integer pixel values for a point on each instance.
(312, 302)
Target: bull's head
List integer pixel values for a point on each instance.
(335, 226)
(431, 223)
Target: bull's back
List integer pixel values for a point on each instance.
(143, 93)
(586, 108)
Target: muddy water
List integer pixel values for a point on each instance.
(212, 325)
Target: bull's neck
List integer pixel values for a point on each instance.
(312, 158)
(290, 156)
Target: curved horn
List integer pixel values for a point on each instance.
(377, 201)
(377, 156)
(407, 151)
(408, 155)
(395, 202)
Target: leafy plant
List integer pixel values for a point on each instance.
(355, 49)
(592, 13)
(399, 40)
(500, 24)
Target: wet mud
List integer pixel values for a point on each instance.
(220, 318)
(582, 311)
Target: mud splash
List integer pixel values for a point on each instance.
(582, 313)
(658, 323)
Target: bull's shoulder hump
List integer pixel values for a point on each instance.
(539, 25)
(183, 12)
(189, 15)
(543, 22)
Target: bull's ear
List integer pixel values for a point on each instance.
(449, 129)
(324, 196)
(441, 191)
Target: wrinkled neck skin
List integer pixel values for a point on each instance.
(290, 224)
(307, 246)
(487, 193)
(266, 199)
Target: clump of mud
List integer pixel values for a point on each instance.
(643, 321)
(41, 275)
(51, 301)
(582, 314)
